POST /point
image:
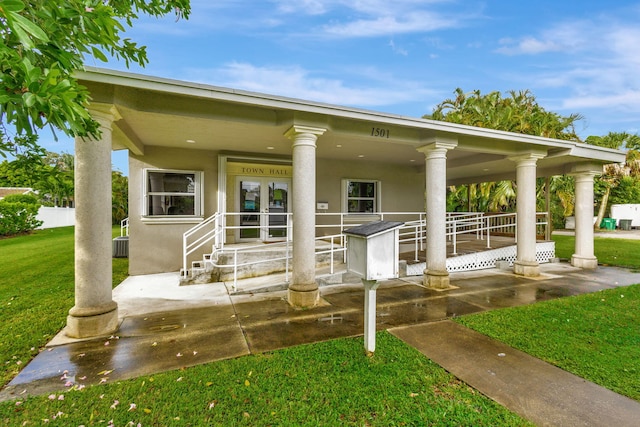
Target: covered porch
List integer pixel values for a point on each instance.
(201, 133)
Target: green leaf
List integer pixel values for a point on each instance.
(28, 26)
(24, 38)
(11, 5)
(97, 53)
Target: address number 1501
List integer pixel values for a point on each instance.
(380, 133)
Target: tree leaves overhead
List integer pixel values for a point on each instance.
(42, 43)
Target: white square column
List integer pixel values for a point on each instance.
(584, 251)
(303, 290)
(435, 274)
(94, 313)
(526, 263)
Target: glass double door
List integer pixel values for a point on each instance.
(264, 204)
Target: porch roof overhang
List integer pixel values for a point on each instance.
(169, 113)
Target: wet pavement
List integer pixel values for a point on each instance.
(165, 326)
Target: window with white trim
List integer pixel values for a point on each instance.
(170, 193)
(361, 196)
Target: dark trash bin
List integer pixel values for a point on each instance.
(625, 224)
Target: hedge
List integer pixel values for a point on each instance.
(18, 214)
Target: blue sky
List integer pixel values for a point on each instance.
(406, 56)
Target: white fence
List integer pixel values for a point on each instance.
(56, 217)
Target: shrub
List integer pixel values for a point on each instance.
(18, 214)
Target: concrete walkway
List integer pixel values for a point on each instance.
(165, 327)
(535, 390)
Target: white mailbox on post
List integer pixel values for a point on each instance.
(373, 253)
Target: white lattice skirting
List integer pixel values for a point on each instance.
(487, 259)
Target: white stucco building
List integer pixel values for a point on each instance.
(198, 150)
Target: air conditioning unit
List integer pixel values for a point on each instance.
(121, 247)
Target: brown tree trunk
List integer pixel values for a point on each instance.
(603, 207)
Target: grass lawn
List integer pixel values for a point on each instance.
(595, 336)
(618, 252)
(331, 383)
(324, 384)
(36, 293)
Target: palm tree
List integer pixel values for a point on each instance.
(518, 112)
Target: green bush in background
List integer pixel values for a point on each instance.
(18, 214)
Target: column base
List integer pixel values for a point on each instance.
(436, 279)
(584, 262)
(526, 268)
(85, 325)
(304, 299)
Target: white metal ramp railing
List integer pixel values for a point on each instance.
(213, 230)
(124, 227)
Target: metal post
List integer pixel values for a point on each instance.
(331, 254)
(455, 238)
(416, 238)
(286, 263)
(235, 270)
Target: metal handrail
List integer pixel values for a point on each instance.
(124, 227)
(412, 232)
(288, 255)
(190, 247)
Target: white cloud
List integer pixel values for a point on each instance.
(597, 60)
(308, 7)
(417, 22)
(528, 45)
(397, 49)
(629, 99)
(296, 82)
(568, 37)
(372, 18)
(368, 7)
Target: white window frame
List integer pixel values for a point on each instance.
(377, 199)
(197, 195)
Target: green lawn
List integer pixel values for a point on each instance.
(325, 384)
(331, 383)
(618, 252)
(595, 336)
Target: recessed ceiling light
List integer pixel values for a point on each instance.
(191, 141)
(412, 160)
(361, 155)
(339, 146)
(485, 169)
(270, 148)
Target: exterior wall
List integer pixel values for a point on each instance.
(155, 245)
(402, 187)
